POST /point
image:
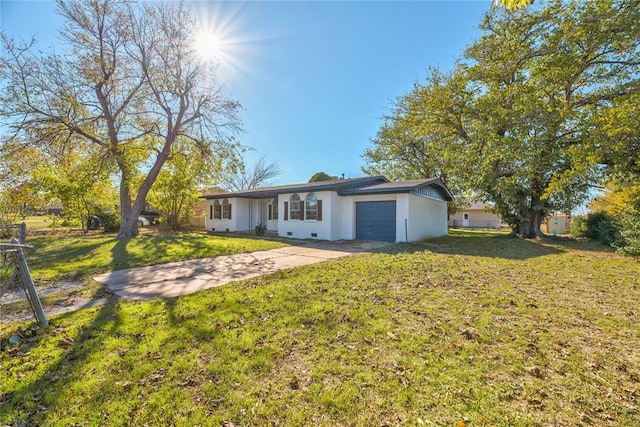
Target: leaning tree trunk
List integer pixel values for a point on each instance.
(129, 213)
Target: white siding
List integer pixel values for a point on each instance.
(304, 229)
(426, 218)
(239, 216)
(343, 218)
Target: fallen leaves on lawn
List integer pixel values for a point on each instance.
(67, 342)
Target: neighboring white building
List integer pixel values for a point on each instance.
(556, 223)
(369, 208)
(475, 214)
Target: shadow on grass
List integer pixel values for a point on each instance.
(481, 244)
(31, 399)
(44, 257)
(120, 256)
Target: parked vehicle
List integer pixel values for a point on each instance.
(148, 218)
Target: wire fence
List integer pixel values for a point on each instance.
(465, 223)
(15, 278)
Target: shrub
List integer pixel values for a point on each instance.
(110, 220)
(629, 243)
(601, 226)
(578, 225)
(260, 229)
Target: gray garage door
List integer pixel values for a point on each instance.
(376, 221)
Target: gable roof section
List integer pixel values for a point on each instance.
(338, 185)
(431, 187)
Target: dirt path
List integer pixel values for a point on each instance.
(67, 302)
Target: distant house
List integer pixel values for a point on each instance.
(367, 208)
(52, 210)
(475, 214)
(557, 223)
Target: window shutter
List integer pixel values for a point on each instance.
(229, 210)
(319, 210)
(270, 212)
(286, 211)
(301, 210)
(210, 211)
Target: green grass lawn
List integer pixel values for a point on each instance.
(474, 329)
(54, 258)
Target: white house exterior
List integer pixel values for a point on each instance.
(475, 214)
(369, 208)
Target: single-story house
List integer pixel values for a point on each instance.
(475, 214)
(367, 208)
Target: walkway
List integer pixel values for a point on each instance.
(185, 277)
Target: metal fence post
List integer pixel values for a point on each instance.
(27, 282)
(22, 233)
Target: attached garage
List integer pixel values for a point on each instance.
(366, 208)
(376, 221)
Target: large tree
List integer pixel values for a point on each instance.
(129, 83)
(520, 118)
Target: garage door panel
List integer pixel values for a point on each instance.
(376, 221)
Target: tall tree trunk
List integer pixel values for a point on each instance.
(128, 223)
(527, 224)
(529, 227)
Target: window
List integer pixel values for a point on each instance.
(294, 207)
(465, 216)
(311, 206)
(226, 209)
(217, 212)
(273, 209)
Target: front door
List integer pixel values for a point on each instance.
(465, 220)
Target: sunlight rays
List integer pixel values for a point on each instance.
(221, 38)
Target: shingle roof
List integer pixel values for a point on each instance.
(410, 186)
(338, 185)
(476, 205)
(352, 186)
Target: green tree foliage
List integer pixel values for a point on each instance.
(602, 227)
(619, 198)
(321, 176)
(629, 243)
(69, 171)
(18, 194)
(513, 5)
(578, 225)
(176, 190)
(128, 82)
(621, 202)
(522, 119)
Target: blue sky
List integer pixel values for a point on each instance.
(314, 78)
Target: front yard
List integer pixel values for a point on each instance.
(469, 330)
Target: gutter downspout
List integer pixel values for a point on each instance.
(406, 233)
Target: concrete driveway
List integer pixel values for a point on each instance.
(185, 277)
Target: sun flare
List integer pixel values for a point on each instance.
(225, 35)
(209, 46)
